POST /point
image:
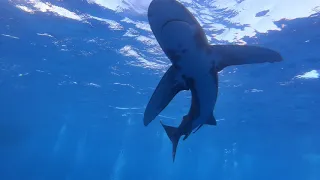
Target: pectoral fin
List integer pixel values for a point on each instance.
(229, 55)
(170, 84)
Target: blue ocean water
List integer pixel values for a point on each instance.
(75, 77)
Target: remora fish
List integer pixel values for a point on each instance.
(195, 66)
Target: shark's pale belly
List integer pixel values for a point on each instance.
(195, 65)
(181, 46)
(176, 35)
(206, 87)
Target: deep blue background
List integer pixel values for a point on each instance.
(52, 128)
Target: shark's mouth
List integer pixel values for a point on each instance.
(176, 34)
(172, 20)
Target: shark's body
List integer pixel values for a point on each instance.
(195, 66)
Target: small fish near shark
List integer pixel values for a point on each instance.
(195, 66)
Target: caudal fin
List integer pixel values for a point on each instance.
(174, 136)
(243, 54)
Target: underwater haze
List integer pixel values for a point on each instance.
(76, 76)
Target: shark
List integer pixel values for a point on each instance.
(195, 65)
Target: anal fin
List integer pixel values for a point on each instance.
(170, 84)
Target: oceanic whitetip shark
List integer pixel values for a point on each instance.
(195, 66)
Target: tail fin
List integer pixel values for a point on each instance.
(174, 136)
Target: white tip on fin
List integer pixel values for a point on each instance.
(243, 54)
